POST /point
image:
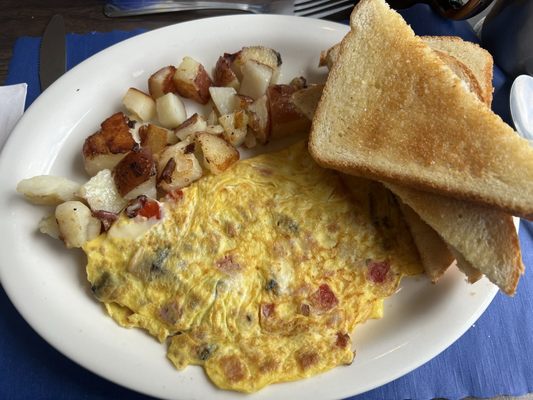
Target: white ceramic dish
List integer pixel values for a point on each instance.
(47, 283)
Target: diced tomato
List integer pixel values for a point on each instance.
(150, 209)
(324, 299)
(228, 265)
(267, 309)
(378, 271)
(175, 194)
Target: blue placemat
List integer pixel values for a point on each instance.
(493, 357)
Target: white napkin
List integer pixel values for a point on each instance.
(12, 100)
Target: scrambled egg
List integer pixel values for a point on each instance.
(259, 274)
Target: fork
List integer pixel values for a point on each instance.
(302, 8)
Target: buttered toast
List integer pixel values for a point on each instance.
(485, 238)
(467, 60)
(478, 60)
(501, 261)
(392, 111)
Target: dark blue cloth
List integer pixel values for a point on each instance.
(493, 357)
(24, 64)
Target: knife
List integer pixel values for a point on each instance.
(52, 56)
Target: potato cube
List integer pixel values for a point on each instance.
(76, 223)
(134, 169)
(178, 166)
(147, 188)
(48, 189)
(212, 117)
(256, 78)
(242, 102)
(139, 104)
(224, 99)
(328, 57)
(260, 54)
(196, 123)
(48, 226)
(105, 148)
(101, 193)
(162, 82)
(224, 75)
(285, 118)
(235, 127)
(259, 119)
(215, 129)
(250, 141)
(192, 81)
(170, 110)
(156, 138)
(306, 100)
(217, 154)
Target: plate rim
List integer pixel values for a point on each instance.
(49, 93)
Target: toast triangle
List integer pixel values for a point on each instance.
(392, 111)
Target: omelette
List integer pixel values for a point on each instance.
(259, 274)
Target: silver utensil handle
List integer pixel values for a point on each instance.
(113, 10)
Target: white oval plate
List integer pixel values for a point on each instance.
(47, 283)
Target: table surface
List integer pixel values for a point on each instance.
(29, 18)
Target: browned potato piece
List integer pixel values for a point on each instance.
(242, 102)
(224, 99)
(328, 57)
(235, 127)
(192, 81)
(212, 118)
(195, 123)
(285, 117)
(154, 137)
(224, 75)
(298, 83)
(162, 82)
(105, 148)
(217, 154)
(178, 166)
(306, 100)
(139, 104)
(250, 141)
(260, 54)
(259, 119)
(214, 129)
(133, 170)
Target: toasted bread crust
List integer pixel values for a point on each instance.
(477, 59)
(114, 137)
(467, 60)
(414, 122)
(472, 274)
(433, 251)
(486, 238)
(132, 170)
(463, 72)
